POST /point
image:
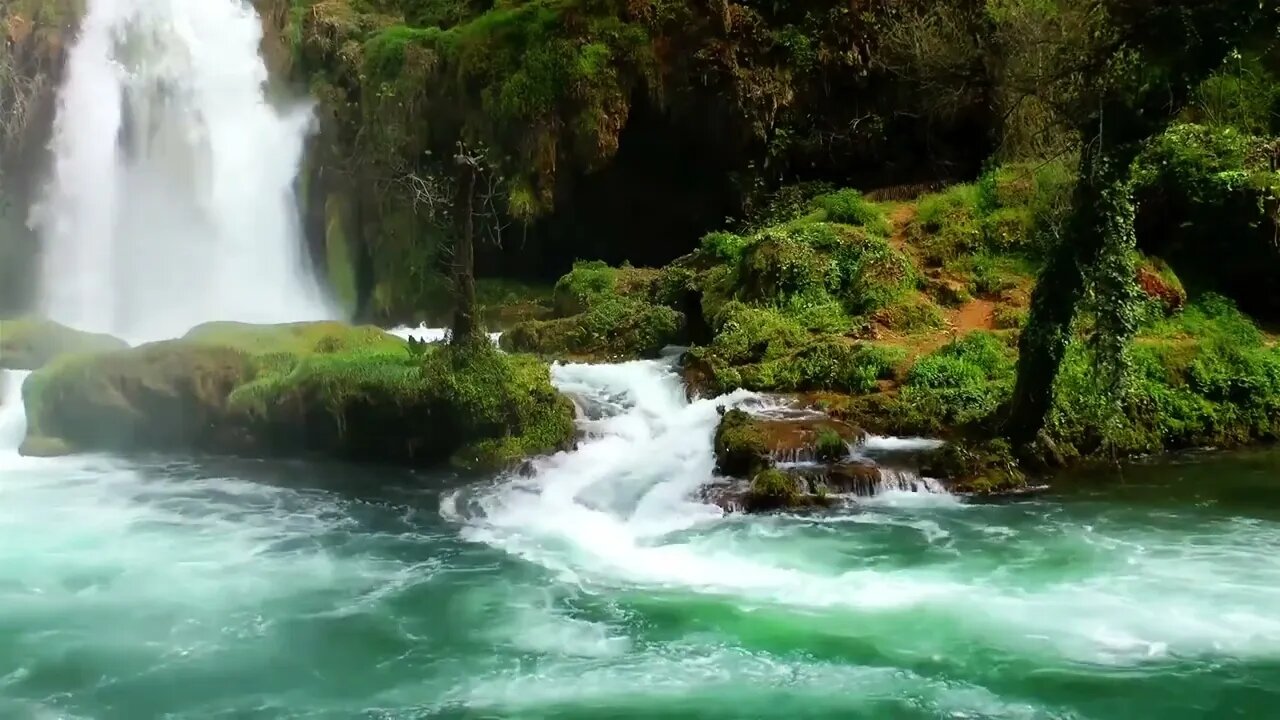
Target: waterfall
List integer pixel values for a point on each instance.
(171, 201)
(13, 417)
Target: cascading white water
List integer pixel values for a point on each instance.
(13, 417)
(624, 506)
(172, 198)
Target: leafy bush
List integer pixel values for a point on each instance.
(963, 382)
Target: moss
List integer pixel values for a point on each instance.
(30, 343)
(301, 338)
(303, 389)
(980, 468)
(162, 396)
(506, 302)
(773, 489)
(829, 446)
(741, 445)
(1009, 318)
(1205, 377)
(339, 260)
(612, 328)
(849, 207)
(913, 315)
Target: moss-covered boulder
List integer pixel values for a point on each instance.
(305, 389)
(613, 329)
(30, 343)
(601, 313)
(163, 396)
(741, 445)
(984, 468)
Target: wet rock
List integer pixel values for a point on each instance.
(299, 390)
(976, 468)
(774, 489)
(44, 447)
(31, 343)
(741, 446)
(745, 443)
(809, 438)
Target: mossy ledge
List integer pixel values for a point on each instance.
(29, 343)
(301, 390)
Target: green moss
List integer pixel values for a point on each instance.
(773, 489)
(849, 207)
(913, 315)
(30, 343)
(741, 446)
(307, 388)
(592, 282)
(1204, 377)
(503, 407)
(1009, 318)
(612, 328)
(723, 246)
(298, 339)
(765, 350)
(829, 446)
(339, 263)
(980, 468)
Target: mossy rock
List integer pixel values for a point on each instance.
(305, 389)
(984, 468)
(592, 282)
(170, 395)
(741, 445)
(614, 328)
(773, 489)
(31, 343)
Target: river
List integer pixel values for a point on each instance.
(599, 587)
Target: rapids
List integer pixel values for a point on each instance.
(599, 586)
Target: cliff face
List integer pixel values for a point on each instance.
(613, 130)
(35, 36)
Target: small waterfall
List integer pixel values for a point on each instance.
(172, 199)
(865, 480)
(13, 417)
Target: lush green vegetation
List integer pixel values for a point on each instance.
(307, 388)
(1053, 222)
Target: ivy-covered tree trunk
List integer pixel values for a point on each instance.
(1099, 227)
(465, 327)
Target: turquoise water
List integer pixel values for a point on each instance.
(160, 588)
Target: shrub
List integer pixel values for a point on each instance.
(963, 382)
(829, 446)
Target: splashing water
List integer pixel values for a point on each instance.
(172, 198)
(599, 586)
(13, 417)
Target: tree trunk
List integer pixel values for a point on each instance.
(1098, 210)
(465, 327)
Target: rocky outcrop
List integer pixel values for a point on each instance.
(31, 343)
(34, 37)
(305, 389)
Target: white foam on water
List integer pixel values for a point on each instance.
(427, 334)
(884, 443)
(172, 199)
(622, 511)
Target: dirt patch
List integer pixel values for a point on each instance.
(900, 219)
(976, 314)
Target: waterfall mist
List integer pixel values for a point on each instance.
(172, 199)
